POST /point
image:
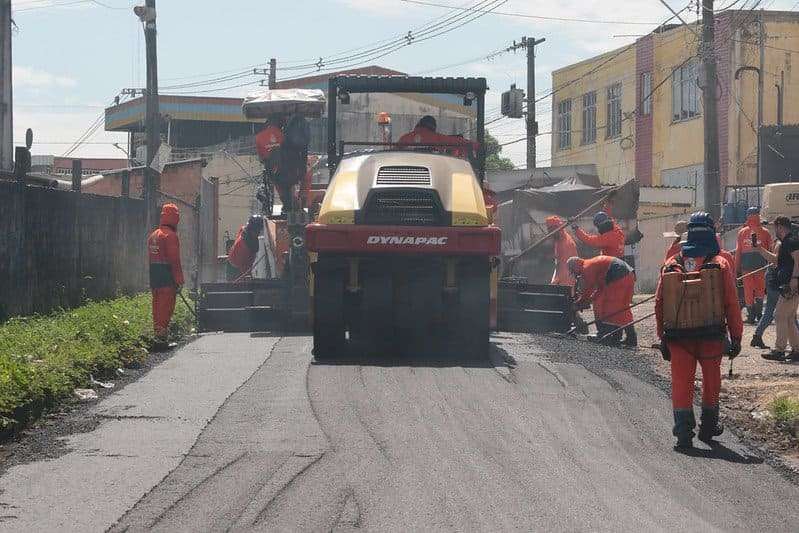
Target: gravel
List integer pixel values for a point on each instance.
(755, 383)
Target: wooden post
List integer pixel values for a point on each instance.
(77, 170)
(125, 184)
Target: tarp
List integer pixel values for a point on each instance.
(265, 103)
(522, 219)
(572, 195)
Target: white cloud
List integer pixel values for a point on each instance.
(33, 77)
(56, 129)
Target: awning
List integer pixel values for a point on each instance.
(266, 103)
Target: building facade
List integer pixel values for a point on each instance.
(636, 112)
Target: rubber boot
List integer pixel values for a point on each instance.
(757, 342)
(709, 426)
(615, 339)
(580, 326)
(601, 329)
(684, 424)
(631, 339)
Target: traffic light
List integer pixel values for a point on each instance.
(512, 102)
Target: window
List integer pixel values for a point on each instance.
(646, 93)
(614, 111)
(685, 92)
(589, 118)
(564, 125)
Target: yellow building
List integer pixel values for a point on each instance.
(637, 111)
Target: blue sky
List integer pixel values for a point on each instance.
(71, 57)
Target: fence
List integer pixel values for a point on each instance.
(58, 248)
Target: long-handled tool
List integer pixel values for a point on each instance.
(648, 299)
(188, 305)
(513, 260)
(621, 328)
(653, 314)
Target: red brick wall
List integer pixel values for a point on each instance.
(644, 62)
(181, 179)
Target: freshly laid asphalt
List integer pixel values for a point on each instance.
(240, 432)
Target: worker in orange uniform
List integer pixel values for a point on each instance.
(268, 142)
(609, 239)
(608, 284)
(242, 254)
(425, 134)
(748, 259)
(564, 248)
(166, 274)
(700, 248)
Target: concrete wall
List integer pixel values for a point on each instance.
(652, 249)
(234, 174)
(183, 184)
(58, 248)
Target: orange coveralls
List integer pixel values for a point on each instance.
(422, 135)
(673, 250)
(748, 259)
(166, 274)
(610, 290)
(564, 248)
(241, 255)
(267, 140)
(708, 353)
(610, 243)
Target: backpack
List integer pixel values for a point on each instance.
(297, 134)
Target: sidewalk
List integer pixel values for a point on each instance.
(148, 427)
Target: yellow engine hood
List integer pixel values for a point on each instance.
(452, 178)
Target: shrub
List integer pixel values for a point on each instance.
(44, 358)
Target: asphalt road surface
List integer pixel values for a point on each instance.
(567, 437)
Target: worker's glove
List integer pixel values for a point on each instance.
(735, 348)
(664, 351)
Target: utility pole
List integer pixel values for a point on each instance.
(271, 72)
(152, 126)
(760, 77)
(6, 110)
(712, 164)
(532, 123)
(529, 44)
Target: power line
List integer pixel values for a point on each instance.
(457, 22)
(527, 15)
(435, 28)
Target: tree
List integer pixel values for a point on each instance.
(494, 161)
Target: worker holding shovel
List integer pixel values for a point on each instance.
(607, 283)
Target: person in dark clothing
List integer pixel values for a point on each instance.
(786, 281)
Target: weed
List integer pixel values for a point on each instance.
(44, 358)
(785, 409)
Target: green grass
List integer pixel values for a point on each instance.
(785, 409)
(44, 358)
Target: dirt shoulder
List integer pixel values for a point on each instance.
(747, 397)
